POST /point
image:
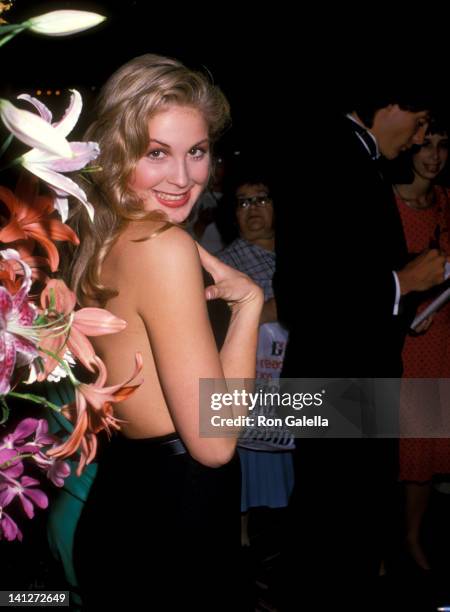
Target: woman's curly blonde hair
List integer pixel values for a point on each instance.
(136, 92)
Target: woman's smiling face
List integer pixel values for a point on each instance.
(173, 173)
(432, 156)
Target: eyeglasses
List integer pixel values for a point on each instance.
(259, 201)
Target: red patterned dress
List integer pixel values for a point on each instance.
(427, 355)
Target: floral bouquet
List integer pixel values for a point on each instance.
(43, 334)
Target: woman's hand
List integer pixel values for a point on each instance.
(423, 327)
(236, 288)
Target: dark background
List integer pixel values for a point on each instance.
(283, 67)
(242, 58)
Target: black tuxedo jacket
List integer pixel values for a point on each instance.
(338, 239)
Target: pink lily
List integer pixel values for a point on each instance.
(48, 166)
(11, 487)
(85, 322)
(26, 492)
(55, 469)
(17, 438)
(92, 412)
(17, 343)
(8, 528)
(41, 435)
(10, 465)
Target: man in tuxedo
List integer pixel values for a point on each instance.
(342, 245)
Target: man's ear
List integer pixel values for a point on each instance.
(384, 113)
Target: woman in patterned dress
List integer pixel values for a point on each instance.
(424, 207)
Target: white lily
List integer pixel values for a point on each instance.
(63, 23)
(48, 167)
(70, 117)
(34, 131)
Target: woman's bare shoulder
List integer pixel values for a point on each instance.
(148, 246)
(148, 232)
(156, 272)
(146, 229)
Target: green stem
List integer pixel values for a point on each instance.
(6, 144)
(8, 463)
(11, 27)
(37, 399)
(5, 410)
(8, 37)
(85, 172)
(90, 169)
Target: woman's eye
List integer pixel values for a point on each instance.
(157, 154)
(197, 153)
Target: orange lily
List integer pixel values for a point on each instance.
(85, 322)
(30, 221)
(92, 412)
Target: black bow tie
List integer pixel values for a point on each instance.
(367, 139)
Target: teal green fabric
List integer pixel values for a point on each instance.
(66, 507)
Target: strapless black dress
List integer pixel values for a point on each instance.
(160, 531)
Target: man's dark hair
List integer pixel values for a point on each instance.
(366, 112)
(390, 80)
(409, 97)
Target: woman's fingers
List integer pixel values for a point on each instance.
(212, 292)
(222, 291)
(230, 285)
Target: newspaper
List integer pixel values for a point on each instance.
(435, 304)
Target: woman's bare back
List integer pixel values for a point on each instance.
(145, 413)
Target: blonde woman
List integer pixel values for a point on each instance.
(161, 523)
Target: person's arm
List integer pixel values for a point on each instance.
(245, 299)
(171, 301)
(423, 272)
